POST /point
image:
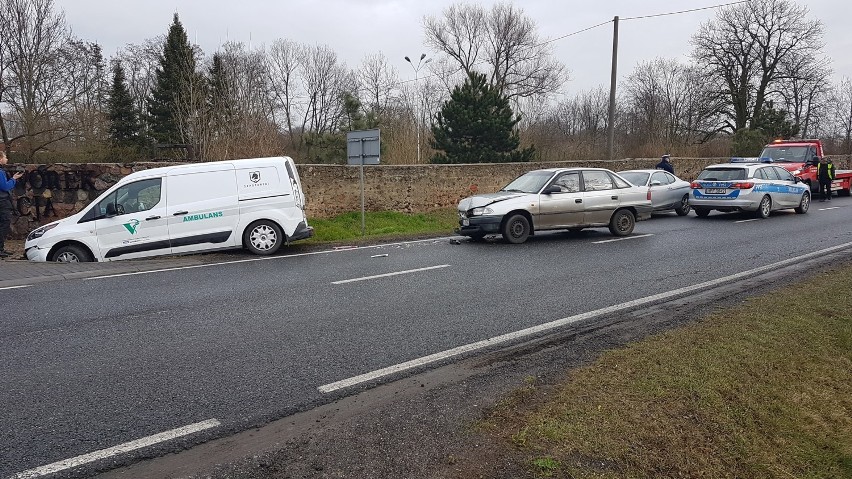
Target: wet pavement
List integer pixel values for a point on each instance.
(16, 271)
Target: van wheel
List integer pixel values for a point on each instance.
(263, 237)
(72, 254)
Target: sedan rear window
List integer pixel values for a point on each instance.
(722, 174)
(638, 178)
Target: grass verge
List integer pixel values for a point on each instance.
(382, 224)
(761, 390)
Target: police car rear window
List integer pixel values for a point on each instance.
(722, 174)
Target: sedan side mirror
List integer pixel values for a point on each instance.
(552, 189)
(656, 183)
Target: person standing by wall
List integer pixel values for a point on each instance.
(666, 164)
(825, 174)
(6, 206)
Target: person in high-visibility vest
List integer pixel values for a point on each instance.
(825, 174)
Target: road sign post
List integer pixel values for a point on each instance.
(363, 148)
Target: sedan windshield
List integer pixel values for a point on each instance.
(722, 174)
(638, 178)
(531, 182)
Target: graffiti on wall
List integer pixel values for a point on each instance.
(37, 189)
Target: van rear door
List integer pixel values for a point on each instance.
(202, 208)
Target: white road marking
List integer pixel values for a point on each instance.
(114, 451)
(365, 278)
(831, 208)
(16, 287)
(622, 239)
(509, 337)
(265, 258)
(747, 221)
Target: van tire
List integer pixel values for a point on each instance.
(72, 253)
(263, 237)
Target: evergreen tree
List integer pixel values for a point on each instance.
(173, 80)
(476, 125)
(124, 127)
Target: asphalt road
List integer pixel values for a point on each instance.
(90, 364)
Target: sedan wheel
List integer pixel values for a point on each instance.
(765, 207)
(622, 223)
(804, 204)
(516, 229)
(684, 207)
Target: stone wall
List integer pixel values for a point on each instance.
(49, 192)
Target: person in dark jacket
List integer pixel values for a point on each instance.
(825, 174)
(666, 164)
(6, 206)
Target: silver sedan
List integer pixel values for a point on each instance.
(553, 199)
(668, 192)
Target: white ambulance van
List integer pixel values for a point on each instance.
(257, 204)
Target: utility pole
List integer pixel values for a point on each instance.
(418, 117)
(611, 123)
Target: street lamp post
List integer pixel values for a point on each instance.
(420, 63)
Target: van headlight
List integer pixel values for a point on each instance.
(483, 210)
(39, 232)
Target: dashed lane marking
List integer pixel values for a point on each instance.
(116, 450)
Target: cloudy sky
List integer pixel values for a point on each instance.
(355, 28)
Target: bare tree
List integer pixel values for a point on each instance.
(744, 48)
(842, 112)
(378, 81)
(140, 62)
(669, 104)
(503, 42)
(804, 87)
(36, 88)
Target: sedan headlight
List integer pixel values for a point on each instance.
(482, 210)
(39, 232)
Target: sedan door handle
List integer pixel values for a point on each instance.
(151, 218)
(179, 213)
(578, 200)
(615, 197)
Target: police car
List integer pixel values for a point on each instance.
(754, 187)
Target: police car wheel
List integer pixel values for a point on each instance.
(764, 208)
(263, 237)
(804, 204)
(72, 254)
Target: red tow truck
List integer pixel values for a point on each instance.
(799, 157)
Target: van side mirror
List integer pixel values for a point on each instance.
(110, 210)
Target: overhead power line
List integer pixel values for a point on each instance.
(685, 11)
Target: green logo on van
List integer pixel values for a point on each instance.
(203, 216)
(131, 226)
